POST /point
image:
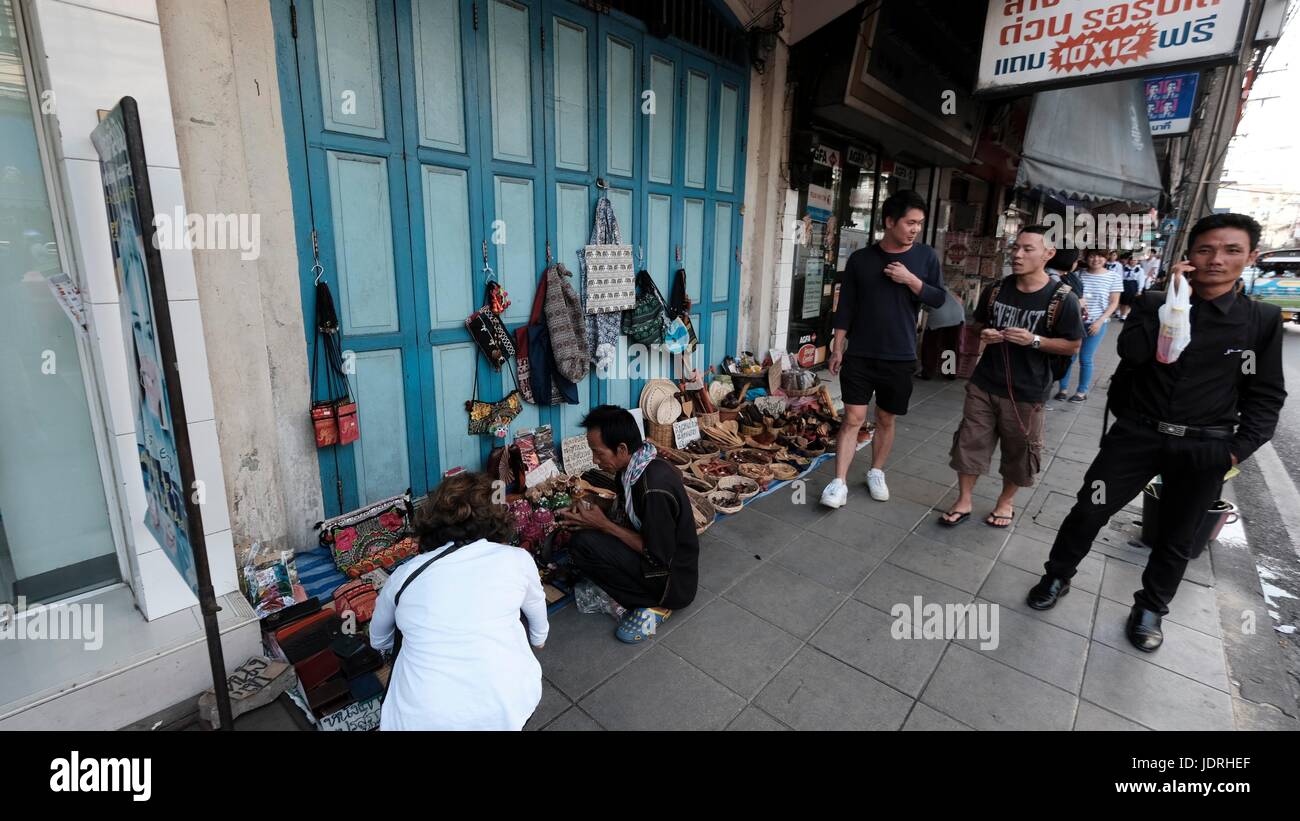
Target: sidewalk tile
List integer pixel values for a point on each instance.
(1092, 717)
(582, 651)
(733, 646)
(987, 695)
(722, 565)
(795, 604)
(944, 563)
(660, 691)
(925, 718)
(1030, 555)
(755, 532)
(573, 720)
(861, 637)
(834, 565)
(1065, 475)
(1151, 695)
(817, 692)
(900, 513)
(797, 505)
(1052, 508)
(1037, 648)
(1008, 586)
(890, 584)
(1185, 651)
(1194, 606)
(921, 491)
(973, 535)
(857, 531)
(753, 719)
(552, 704)
(937, 472)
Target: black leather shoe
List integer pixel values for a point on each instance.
(1043, 595)
(1144, 629)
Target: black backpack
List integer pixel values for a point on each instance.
(1059, 363)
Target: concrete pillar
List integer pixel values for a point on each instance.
(221, 67)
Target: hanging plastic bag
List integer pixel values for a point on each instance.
(1175, 321)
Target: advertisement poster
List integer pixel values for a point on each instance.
(161, 437)
(851, 239)
(1171, 100)
(812, 288)
(819, 203)
(1039, 42)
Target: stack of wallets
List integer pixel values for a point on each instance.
(330, 696)
(308, 636)
(317, 669)
(287, 615)
(364, 687)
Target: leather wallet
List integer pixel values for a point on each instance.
(365, 687)
(288, 615)
(317, 669)
(329, 696)
(308, 636)
(367, 661)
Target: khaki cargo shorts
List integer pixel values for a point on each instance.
(986, 418)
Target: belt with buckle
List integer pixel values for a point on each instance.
(1189, 431)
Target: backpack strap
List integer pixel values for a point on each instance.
(1055, 301)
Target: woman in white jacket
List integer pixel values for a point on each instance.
(465, 661)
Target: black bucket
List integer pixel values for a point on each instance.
(1212, 521)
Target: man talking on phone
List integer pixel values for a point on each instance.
(1188, 421)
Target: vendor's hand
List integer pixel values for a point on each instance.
(1018, 335)
(584, 515)
(991, 336)
(1095, 328)
(898, 272)
(837, 360)
(1234, 459)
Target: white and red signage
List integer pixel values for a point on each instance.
(1064, 42)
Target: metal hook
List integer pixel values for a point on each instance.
(319, 271)
(485, 262)
(548, 252)
(601, 184)
(678, 250)
(640, 254)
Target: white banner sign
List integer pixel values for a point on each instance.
(1034, 42)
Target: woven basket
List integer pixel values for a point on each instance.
(750, 430)
(717, 496)
(661, 435)
(705, 511)
(711, 419)
(796, 392)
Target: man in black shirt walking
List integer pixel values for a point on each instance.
(1027, 318)
(874, 347)
(1189, 421)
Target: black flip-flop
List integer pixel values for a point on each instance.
(1011, 517)
(961, 517)
(1079, 397)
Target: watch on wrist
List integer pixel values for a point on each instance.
(1038, 340)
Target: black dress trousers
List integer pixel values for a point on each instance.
(1191, 472)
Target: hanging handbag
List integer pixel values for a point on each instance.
(566, 324)
(334, 418)
(680, 336)
(549, 386)
(645, 323)
(608, 283)
(487, 331)
(492, 418)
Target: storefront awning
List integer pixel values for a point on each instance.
(1092, 143)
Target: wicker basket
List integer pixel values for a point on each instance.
(797, 392)
(750, 430)
(661, 435)
(717, 497)
(711, 419)
(704, 510)
(732, 414)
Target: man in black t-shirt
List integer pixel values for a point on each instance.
(873, 351)
(1026, 319)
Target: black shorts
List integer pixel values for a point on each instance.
(890, 381)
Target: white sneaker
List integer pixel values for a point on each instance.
(876, 484)
(835, 494)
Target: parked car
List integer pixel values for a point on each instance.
(1278, 282)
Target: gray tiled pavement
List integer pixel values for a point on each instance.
(792, 627)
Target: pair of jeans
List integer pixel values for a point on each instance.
(1084, 358)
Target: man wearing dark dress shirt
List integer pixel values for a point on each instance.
(1189, 421)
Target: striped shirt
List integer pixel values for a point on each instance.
(1097, 289)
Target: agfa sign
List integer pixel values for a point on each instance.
(1066, 42)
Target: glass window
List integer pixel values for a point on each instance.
(55, 536)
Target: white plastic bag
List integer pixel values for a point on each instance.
(1175, 321)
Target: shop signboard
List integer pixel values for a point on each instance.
(828, 157)
(862, 158)
(1042, 43)
(905, 174)
(820, 203)
(1171, 99)
(162, 438)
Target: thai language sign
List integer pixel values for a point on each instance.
(1170, 102)
(1036, 42)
